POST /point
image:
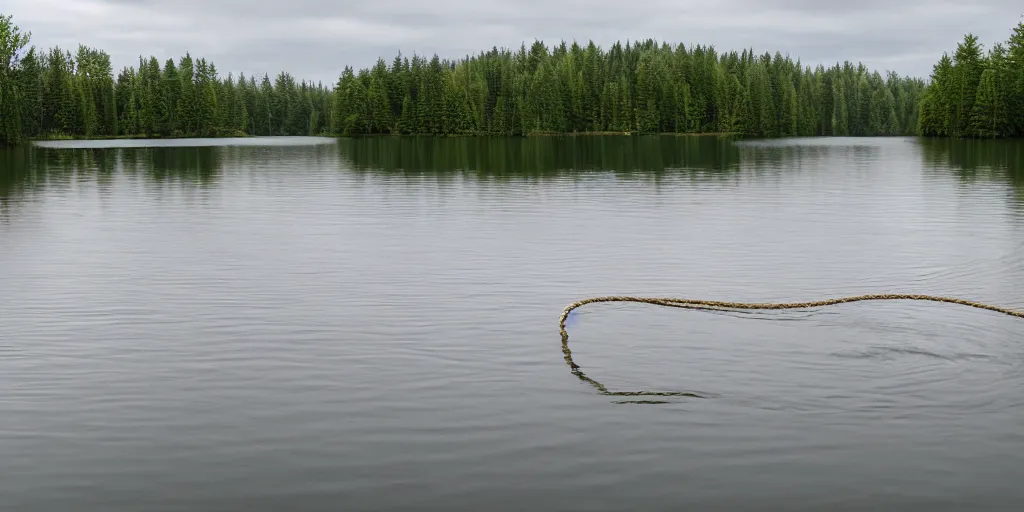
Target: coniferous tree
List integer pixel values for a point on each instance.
(976, 95)
(1013, 83)
(968, 66)
(840, 121)
(30, 89)
(169, 96)
(643, 86)
(985, 115)
(12, 42)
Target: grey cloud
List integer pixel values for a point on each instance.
(315, 39)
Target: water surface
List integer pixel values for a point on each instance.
(372, 324)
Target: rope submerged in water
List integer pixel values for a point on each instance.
(722, 305)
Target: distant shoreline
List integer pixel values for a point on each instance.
(563, 90)
(58, 138)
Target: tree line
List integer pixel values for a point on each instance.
(57, 94)
(639, 87)
(977, 94)
(643, 87)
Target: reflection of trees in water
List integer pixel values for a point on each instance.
(27, 169)
(282, 157)
(16, 176)
(973, 160)
(776, 158)
(24, 170)
(538, 157)
(188, 166)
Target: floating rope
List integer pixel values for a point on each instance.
(721, 305)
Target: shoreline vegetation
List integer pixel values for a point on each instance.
(641, 87)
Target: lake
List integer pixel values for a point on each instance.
(372, 324)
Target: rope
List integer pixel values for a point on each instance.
(721, 305)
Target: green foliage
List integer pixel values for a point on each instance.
(30, 86)
(644, 87)
(986, 116)
(977, 95)
(12, 42)
(60, 95)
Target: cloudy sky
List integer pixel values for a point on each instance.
(315, 39)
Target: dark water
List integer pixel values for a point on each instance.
(294, 324)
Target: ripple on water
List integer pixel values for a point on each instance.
(374, 323)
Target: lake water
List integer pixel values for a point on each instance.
(321, 324)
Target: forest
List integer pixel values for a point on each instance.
(977, 94)
(638, 87)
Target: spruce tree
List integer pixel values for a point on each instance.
(986, 121)
(12, 42)
(30, 86)
(968, 66)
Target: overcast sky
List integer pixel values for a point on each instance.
(315, 39)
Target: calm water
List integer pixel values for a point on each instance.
(312, 324)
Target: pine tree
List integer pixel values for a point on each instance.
(1013, 84)
(986, 120)
(840, 123)
(406, 122)
(169, 96)
(30, 85)
(379, 106)
(12, 42)
(937, 107)
(968, 66)
(187, 107)
(644, 86)
(788, 117)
